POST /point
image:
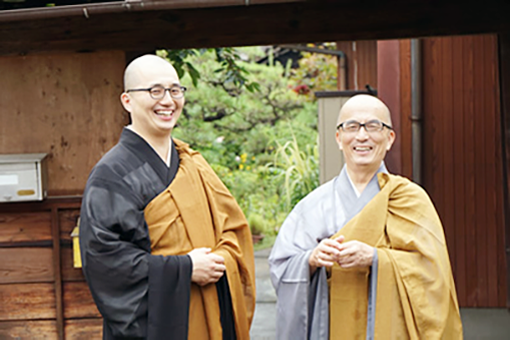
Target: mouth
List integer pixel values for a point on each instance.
(164, 113)
(362, 148)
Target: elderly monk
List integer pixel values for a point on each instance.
(364, 256)
(166, 250)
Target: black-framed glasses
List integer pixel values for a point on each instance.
(158, 92)
(352, 126)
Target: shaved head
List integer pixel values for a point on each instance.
(138, 69)
(365, 103)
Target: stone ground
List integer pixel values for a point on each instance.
(478, 323)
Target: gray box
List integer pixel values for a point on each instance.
(23, 177)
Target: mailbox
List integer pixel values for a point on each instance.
(23, 177)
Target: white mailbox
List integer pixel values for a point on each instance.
(23, 177)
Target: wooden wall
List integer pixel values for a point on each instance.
(43, 296)
(361, 63)
(66, 105)
(462, 161)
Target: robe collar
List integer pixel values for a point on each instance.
(139, 146)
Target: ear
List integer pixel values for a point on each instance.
(338, 140)
(125, 99)
(391, 139)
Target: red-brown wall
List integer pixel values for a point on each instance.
(462, 161)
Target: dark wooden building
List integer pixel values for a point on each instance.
(61, 76)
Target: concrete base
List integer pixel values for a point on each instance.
(485, 323)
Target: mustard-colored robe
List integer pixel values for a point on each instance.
(416, 297)
(197, 210)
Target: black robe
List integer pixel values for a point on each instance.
(139, 295)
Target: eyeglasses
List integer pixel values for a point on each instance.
(352, 126)
(158, 92)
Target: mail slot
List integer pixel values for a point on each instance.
(23, 177)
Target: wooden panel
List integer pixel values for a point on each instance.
(462, 160)
(20, 265)
(27, 301)
(27, 330)
(84, 329)
(78, 302)
(406, 144)
(78, 117)
(25, 228)
(504, 62)
(361, 63)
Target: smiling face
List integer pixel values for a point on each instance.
(364, 151)
(151, 117)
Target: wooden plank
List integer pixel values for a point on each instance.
(84, 329)
(23, 265)
(469, 189)
(449, 111)
(28, 330)
(34, 301)
(78, 302)
(493, 190)
(61, 126)
(24, 228)
(504, 259)
(458, 167)
(480, 149)
(406, 109)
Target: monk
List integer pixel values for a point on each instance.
(166, 250)
(364, 256)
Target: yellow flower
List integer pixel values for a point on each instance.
(241, 166)
(248, 167)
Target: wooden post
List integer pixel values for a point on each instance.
(55, 231)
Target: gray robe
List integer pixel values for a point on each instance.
(302, 305)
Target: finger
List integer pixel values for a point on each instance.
(331, 244)
(217, 258)
(339, 239)
(329, 250)
(325, 263)
(220, 268)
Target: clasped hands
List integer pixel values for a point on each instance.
(349, 254)
(207, 266)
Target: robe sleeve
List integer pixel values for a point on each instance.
(420, 264)
(302, 305)
(233, 243)
(132, 289)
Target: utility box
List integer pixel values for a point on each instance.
(23, 177)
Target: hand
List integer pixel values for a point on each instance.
(207, 267)
(325, 254)
(355, 254)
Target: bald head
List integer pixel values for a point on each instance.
(142, 67)
(364, 104)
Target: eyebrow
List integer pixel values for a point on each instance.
(159, 84)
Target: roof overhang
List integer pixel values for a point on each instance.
(148, 25)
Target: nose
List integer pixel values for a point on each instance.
(362, 133)
(167, 98)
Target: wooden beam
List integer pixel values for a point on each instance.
(254, 25)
